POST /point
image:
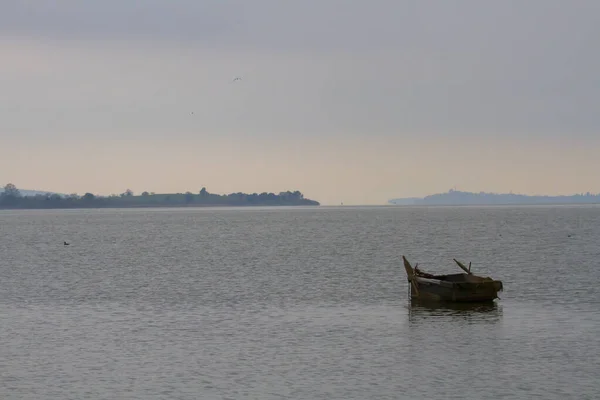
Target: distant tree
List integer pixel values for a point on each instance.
(203, 192)
(89, 197)
(189, 197)
(127, 193)
(11, 196)
(145, 194)
(11, 190)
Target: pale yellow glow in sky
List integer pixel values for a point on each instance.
(356, 171)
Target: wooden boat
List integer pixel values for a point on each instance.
(464, 287)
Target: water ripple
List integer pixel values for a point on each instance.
(296, 304)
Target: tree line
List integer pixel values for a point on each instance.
(11, 198)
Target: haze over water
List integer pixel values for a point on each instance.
(304, 303)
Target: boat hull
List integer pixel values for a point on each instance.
(459, 288)
(460, 292)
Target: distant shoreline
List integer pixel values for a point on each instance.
(493, 205)
(459, 198)
(159, 206)
(11, 198)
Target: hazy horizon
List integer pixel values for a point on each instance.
(30, 192)
(350, 102)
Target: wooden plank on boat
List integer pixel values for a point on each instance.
(409, 269)
(437, 282)
(462, 266)
(411, 275)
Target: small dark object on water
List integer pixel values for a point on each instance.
(66, 244)
(451, 288)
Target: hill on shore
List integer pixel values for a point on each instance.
(456, 197)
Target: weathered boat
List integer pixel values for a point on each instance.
(464, 287)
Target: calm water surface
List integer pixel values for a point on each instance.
(296, 304)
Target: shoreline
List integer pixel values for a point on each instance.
(145, 206)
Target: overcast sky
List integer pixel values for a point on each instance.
(353, 101)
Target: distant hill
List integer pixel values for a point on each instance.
(455, 197)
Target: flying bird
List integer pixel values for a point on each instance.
(237, 78)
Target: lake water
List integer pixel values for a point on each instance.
(296, 303)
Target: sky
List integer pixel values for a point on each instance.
(345, 100)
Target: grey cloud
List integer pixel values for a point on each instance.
(455, 66)
(258, 24)
(412, 25)
(110, 19)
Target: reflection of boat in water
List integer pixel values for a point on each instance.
(454, 308)
(487, 311)
(465, 288)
